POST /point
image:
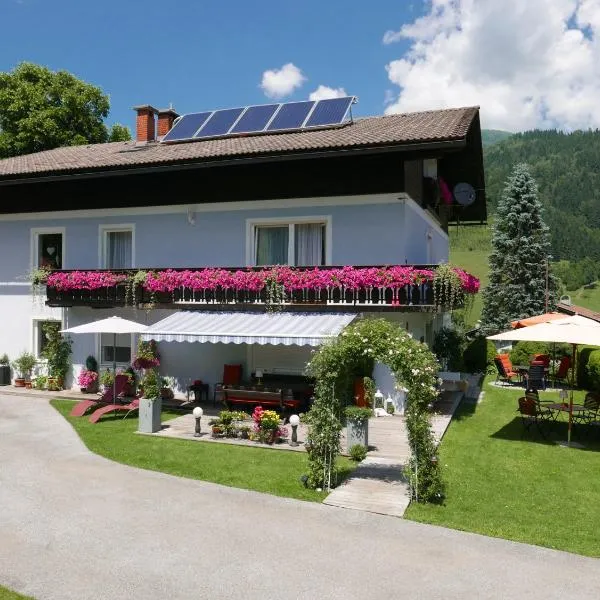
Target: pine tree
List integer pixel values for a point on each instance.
(519, 256)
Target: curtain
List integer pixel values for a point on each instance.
(310, 244)
(119, 250)
(122, 349)
(272, 245)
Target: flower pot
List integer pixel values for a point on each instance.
(149, 415)
(4, 374)
(28, 385)
(217, 432)
(20, 382)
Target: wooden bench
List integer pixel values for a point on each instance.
(267, 397)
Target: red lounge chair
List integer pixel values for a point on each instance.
(504, 368)
(133, 405)
(563, 369)
(107, 398)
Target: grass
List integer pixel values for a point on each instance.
(8, 595)
(589, 298)
(263, 470)
(519, 488)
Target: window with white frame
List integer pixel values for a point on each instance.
(290, 243)
(40, 334)
(48, 248)
(117, 247)
(115, 350)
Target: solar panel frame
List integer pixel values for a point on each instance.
(238, 128)
(212, 128)
(197, 124)
(329, 106)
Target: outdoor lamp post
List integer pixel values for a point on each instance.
(294, 422)
(197, 412)
(258, 374)
(378, 396)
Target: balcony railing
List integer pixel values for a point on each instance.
(406, 287)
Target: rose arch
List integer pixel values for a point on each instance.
(354, 353)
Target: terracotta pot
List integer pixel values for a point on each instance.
(28, 385)
(20, 382)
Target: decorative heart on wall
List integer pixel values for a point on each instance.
(51, 250)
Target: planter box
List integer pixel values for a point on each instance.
(4, 374)
(357, 434)
(149, 415)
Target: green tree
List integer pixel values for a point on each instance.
(119, 133)
(518, 260)
(42, 109)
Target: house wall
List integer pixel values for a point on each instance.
(365, 230)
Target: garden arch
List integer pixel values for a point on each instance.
(354, 352)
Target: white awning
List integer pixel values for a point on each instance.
(288, 329)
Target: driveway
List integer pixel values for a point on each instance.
(76, 526)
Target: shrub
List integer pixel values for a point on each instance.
(91, 364)
(358, 452)
(24, 364)
(151, 384)
(390, 409)
(448, 347)
(523, 352)
(4, 360)
(478, 355)
(583, 357)
(593, 371)
(40, 382)
(357, 415)
(57, 351)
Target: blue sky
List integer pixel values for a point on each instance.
(202, 55)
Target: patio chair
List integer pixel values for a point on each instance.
(127, 408)
(536, 376)
(504, 368)
(107, 397)
(543, 358)
(232, 375)
(531, 415)
(563, 369)
(587, 412)
(548, 411)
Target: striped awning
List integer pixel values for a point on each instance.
(287, 329)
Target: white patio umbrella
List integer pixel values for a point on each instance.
(575, 330)
(112, 325)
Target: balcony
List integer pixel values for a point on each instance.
(375, 288)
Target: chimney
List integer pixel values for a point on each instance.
(144, 123)
(166, 117)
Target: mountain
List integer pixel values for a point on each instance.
(493, 136)
(567, 169)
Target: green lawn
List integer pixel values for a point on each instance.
(271, 471)
(586, 298)
(523, 489)
(8, 595)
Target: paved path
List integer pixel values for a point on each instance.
(74, 526)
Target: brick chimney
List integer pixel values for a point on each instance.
(145, 129)
(166, 116)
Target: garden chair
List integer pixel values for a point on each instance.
(127, 408)
(536, 376)
(107, 397)
(563, 369)
(587, 412)
(504, 368)
(232, 375)
(531, 414)
(543, 358)
(548, 411)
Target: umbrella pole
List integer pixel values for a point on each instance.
(571, 397)
(114, 368)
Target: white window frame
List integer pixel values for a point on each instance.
(252, 224)
(103, 231)
(36, 323)
(35, 244)
(108, 365)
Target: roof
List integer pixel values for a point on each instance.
(545, 318)
(572, 309)
(402, 129)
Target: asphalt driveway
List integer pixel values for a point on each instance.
(76, 526)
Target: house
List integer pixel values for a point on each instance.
(103, 218)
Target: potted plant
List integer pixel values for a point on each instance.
(4, 370)
(40, 382)
(57, 352)
(88, 381)
(166, 390)
(106, 380)
(131, 385)
(150, 403)
(357, 426)
(23, 366)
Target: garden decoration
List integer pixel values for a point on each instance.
(414, 367)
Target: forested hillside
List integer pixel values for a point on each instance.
(567, 169)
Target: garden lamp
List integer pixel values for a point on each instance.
(294, 422)
(197, 412)
(378, 397)
(258, 374)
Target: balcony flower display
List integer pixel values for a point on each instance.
(147, 356)
(88, 381)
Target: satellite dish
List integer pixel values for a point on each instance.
(464, 194)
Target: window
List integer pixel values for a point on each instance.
(299, 244)
(117, 247)
(47, 248)
(40, 337)
(120, 353)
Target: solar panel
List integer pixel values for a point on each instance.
(187, 126)
(291, 116)
(329, 112)
(255, 118)
(220, 123)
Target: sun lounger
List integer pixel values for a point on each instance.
(107, 398)
(127, 408)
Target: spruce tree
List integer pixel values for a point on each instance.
(518, 260)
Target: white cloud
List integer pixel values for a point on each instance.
(533, 63)
(277, 83)
(323, 93)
